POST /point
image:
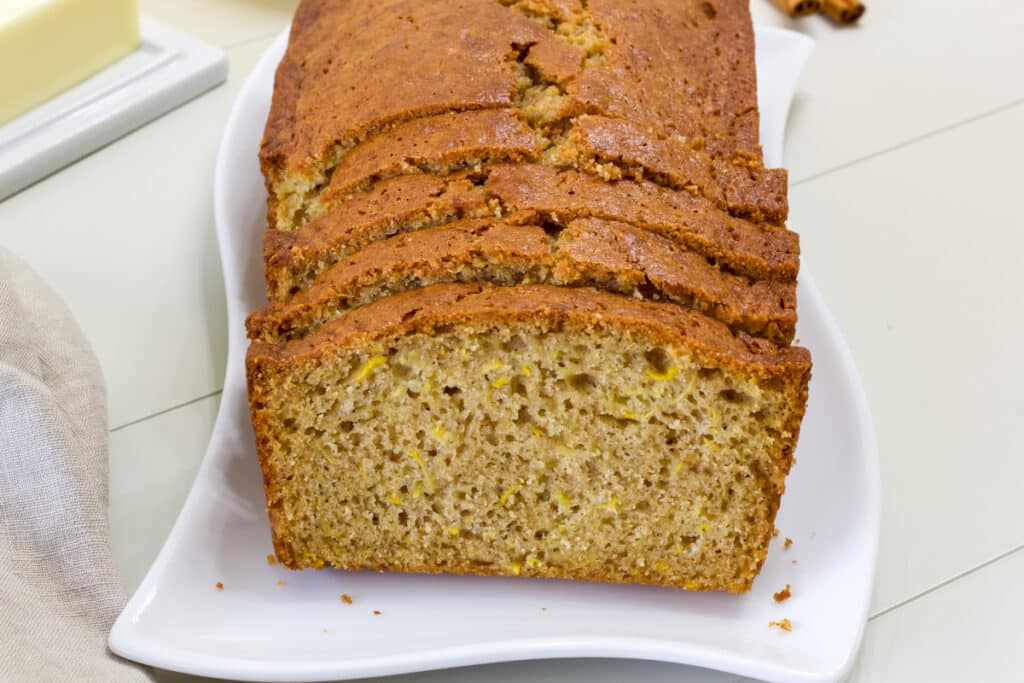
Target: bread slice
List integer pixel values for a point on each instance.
(591, 252)
(532, 430)
(293, 258)
(618, 148)
(526, 193)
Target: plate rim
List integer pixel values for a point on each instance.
(126, 642)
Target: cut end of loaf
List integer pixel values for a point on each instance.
(523, 451)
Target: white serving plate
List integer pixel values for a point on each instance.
(167, 69)
(256, 629)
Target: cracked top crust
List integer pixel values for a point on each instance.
(353, 68)
(686, 68)
(617, 256)
(427, 309)
(624, 132)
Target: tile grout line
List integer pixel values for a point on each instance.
(911, 141)
(943, 584)
(165, 411)
(250, 41)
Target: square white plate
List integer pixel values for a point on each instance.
(256, 629)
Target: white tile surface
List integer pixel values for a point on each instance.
(125, 236)
(557, 671)
(908, 67)
(568, 671)
(152, 467)
(969, 630)
(223, 22)
(920, 260)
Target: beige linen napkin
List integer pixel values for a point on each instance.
(59, 588)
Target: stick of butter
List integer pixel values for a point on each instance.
(47, 46)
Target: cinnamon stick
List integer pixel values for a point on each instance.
(798, 8)
(843, 11)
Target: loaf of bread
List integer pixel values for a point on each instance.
(531, 295)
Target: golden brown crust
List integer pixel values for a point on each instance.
(689, 72)
(590, 252)
(702, 51)
(399, 204)
(591, 248)
(446, 142)
(446, 56)
(438, 254)
(743, 190)
(475, 52)
(754, 192)
(436, 144)
(533, 192)
(755, 250)
(555, 60)
(426, 309)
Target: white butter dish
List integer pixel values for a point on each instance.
(166, 70)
